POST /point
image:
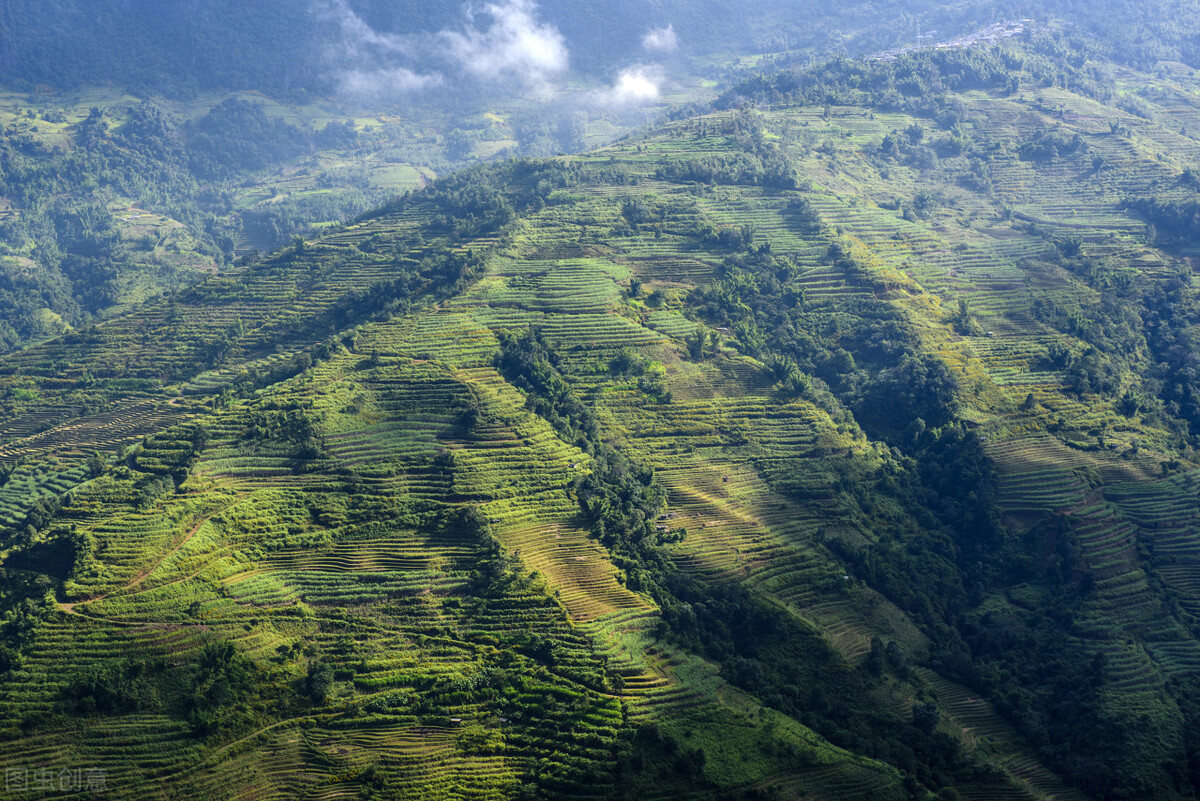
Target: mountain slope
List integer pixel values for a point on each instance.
(836, 447)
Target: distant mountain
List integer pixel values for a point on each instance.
(285, 47)
(294, 47)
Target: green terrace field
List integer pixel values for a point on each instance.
(618, 476)
(111, 197)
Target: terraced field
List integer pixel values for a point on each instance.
(303, 533)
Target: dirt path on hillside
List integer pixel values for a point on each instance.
(69, 608)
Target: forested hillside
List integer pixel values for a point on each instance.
(836, 442)
(293, 49)
(145, 145)
(836, 439)
(290, 48)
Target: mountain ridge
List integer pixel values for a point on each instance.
(849, 401)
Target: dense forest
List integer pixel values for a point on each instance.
(179, 49)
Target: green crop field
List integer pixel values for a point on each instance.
(828, 443)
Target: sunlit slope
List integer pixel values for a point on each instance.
(343, 549)
(321, 524)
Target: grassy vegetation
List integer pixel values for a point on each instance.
(820, 449)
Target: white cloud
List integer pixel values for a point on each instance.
(514, 44)
(398, 80)
(502, 41)
(358, 40)
(661, 39)
(365, 60)
(636, 85)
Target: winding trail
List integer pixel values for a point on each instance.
(69, 608)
